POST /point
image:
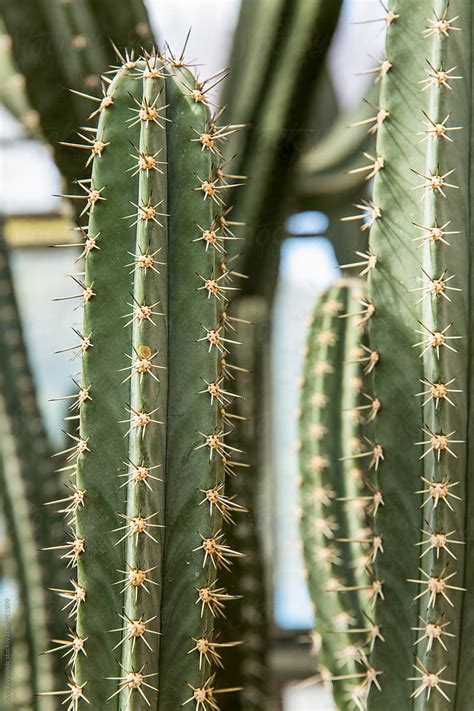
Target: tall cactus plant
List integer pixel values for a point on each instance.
(337, 498)
(148, 464)
(419, 267)
(421, 291)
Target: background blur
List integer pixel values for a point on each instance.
(29, 180)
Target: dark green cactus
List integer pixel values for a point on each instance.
(68, 43)
(329, 175)
(279, 95)
(29, 578)
(27, 468)
(419, 266)
(247, 665)
(148, 464)
(337, 499)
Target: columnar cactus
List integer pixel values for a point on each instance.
(419, 294)
(277, 100)
(337, 500)
(27, 476)
(148, 464)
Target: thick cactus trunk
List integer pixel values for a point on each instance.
(419, 267)
(150, 458)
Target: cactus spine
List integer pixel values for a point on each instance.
(149, 461)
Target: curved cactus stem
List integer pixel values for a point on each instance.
(68, 44)
(325, 173)
(12, 88)
(272, 150)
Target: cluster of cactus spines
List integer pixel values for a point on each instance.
(418, 307)
(281, 113)
(149, 461)
(337, 500)
(68, 43)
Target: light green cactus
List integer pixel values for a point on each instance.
(419, 265)
(337, 498)
(148, 464)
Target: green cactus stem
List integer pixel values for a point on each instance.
(335, 494)
(68, 43)
(148, 464)
(247, 665)
(418, 265)
(12, 88)
(30, 457)
(273, 144)
(330, 174)
(22, 534)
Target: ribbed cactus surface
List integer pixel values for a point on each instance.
(419, 268)
(148, 464)
(338, 499)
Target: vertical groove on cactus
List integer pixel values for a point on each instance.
(197, 455)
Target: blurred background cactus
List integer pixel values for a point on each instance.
(352, 504)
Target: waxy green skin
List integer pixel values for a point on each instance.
(161, 263)
(393, 333)
(327, 377)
